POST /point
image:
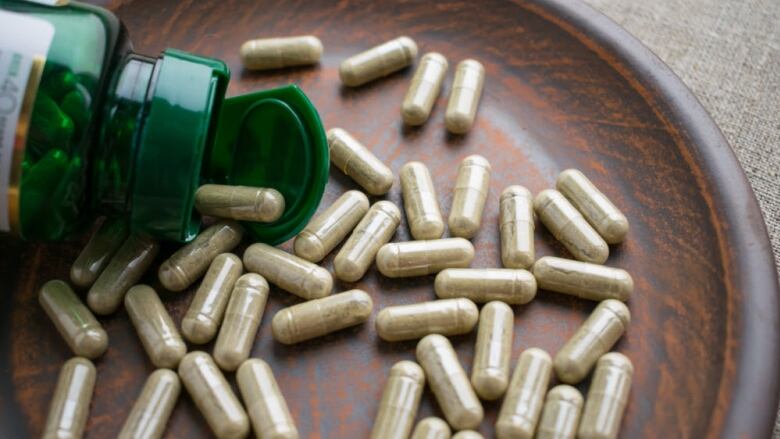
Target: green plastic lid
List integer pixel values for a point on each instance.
(275, 139)
(193, 135)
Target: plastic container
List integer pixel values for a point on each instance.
(88, 128)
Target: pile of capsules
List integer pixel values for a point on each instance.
(228, 306)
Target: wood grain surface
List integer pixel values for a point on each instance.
(565, 87)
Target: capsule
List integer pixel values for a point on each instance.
(288, 272)
(319, 317)
(408, 322)
(490, 371)
(420, 258)
(372, 232)
(98, 252)
(449, 382)
(82, 332)
(470, 194)
(377, 62)
(525, 396)
(190, 262)
(242, 318)
(242, 203)
(213, 396)
(607, 397)
(424, 89)
(330, 227)
(569, 227)
(464, 97)
(151, 411)
(155, 328)
(611, 224)
(264, 401)
(203, 317)
(277, 53)
(358, 163)
(69, 406)
(420, 203)
(400, 401)
(125, 270)
(431, 428)
(482, 285)
(468, 434)
(561, 413)
(593, 339)
(582, 279)
(516, 227)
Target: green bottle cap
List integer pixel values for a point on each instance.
(193, 135)
(275, 139)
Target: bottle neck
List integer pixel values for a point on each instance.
(158, 123)
(126, 105)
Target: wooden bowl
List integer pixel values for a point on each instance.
(565, 88)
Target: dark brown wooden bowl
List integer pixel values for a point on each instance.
(565, 87)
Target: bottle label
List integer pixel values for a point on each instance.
(24, 44)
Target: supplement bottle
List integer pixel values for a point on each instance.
(88, 127)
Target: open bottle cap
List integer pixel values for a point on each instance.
(193, 135)
(274, 139)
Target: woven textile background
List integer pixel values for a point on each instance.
(728, 53)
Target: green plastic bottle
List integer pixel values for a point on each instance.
(89, 128)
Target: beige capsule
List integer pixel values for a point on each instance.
(372, 232)
(449, 382)
(204, 315)
(424, 89)
(155, 328)
(190, 262)
(611, 224)
(446, 317)
(400, 400)
(242, 318)
(516, 227)
(561, 413)
(421, 258)
(569, 227)
(593, 339)
(213, 396)
(76, 324)
(431, 428)
(126, 268)
(69, 405)
(607, 397)
(583, 279)
(289, 272)
(277, 53)
(264, 401)
(525, 396)
(151, 411)
(469, 196)
(329, 228)
(319, 317)
(98, 252)
(468, 434)
(242, 203)
(493, 350)
(358, 163)
(420, 203)
(464, 97)
(515, 287)
(378, 61)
